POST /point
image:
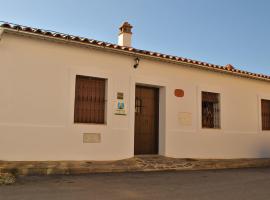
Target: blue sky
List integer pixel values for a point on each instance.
(215, 31)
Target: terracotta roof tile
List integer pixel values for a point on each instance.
(39, 31)
(228, 68)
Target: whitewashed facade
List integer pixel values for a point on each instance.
(37, 92)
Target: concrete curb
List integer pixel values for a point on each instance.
(136, 164)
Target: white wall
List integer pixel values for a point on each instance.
(37, 83)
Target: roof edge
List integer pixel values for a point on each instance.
(56, 36)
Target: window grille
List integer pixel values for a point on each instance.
(89, 100)
(210, 110)
(265, 107)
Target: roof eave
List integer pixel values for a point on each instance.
(131, 53)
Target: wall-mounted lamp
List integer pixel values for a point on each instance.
(137, 61)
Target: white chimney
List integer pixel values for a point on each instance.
(124, 37)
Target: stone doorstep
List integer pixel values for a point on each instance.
(136, 164)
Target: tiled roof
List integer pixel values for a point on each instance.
(130, 50)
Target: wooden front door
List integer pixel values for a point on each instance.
(146, 120)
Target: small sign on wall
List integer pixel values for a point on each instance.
(179, 93)
(185, 118)
(120, 105)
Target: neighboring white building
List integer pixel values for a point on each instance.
(70, 98)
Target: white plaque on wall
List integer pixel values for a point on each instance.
(91, 137)
(185, 118)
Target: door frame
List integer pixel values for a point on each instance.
(158, 136)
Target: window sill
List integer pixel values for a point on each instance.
(211, 128)
(87, 124)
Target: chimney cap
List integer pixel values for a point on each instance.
(125, 28)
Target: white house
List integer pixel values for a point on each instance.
(64, 97)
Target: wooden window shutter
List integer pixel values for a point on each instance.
(265, 107)
(89, 100)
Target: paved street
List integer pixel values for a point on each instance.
(253, 184)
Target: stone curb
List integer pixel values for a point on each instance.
(136, 164)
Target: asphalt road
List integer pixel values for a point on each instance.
(239, 184)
